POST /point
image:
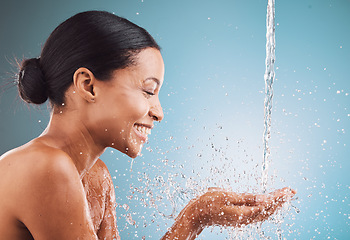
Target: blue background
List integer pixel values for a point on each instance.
(213, 95)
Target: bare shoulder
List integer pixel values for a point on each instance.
(36, 160)
(34, 168)
(39, 182)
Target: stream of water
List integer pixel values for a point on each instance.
(269, 78)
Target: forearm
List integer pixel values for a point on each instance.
(184, 228)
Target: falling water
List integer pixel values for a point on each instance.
(269, 77)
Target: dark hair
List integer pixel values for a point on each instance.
(97, 40)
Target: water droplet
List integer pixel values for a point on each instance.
(126, 207)
(129, 219)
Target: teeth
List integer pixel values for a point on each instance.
(142, 129)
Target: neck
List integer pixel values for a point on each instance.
(67, 132)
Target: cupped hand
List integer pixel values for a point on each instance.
(220, 207)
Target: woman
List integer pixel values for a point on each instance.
(102, 75)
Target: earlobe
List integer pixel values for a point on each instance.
(84, 80)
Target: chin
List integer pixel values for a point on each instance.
(134, 151)
(132, 154)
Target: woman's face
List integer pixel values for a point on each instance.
(128, 104)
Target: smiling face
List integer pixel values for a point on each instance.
(128, 104)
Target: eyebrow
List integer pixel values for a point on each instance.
(154, 79)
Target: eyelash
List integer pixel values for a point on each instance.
(150, 94)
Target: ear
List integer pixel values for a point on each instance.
(84, 80)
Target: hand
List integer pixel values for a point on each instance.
(220, 207)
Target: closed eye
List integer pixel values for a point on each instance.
(149, 94)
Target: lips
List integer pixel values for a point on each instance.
(142, 131)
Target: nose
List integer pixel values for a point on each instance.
(156, 111)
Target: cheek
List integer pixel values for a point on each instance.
(121, 112)
(135, 108)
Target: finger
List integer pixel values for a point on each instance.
(278, 196)
(271, 209)
(287, 191)
(282, 196)
(247, 199)
(250, 199)
(268, 210)
(239, 215)
(251, 214)
(274, 201)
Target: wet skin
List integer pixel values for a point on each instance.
(100, 195)
(99, 192)
(55, 187)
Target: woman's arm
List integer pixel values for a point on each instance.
(186, 225)
(108, 228)
(219, 207)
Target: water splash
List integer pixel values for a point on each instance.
(269, 78)
(164, 190)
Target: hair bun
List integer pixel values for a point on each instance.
(31, 82)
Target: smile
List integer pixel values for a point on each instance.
(142, 131)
